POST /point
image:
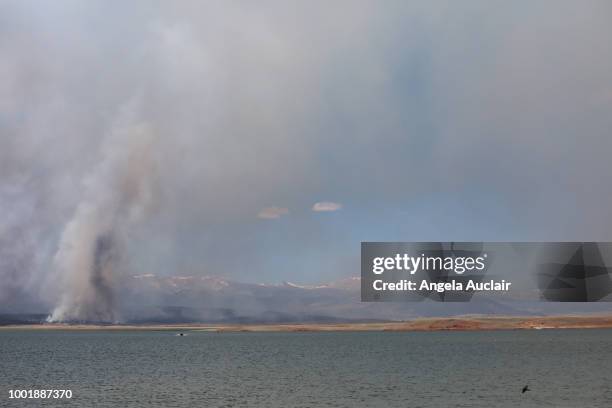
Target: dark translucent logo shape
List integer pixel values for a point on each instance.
(584, 278)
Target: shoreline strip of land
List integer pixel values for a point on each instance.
(461, 323)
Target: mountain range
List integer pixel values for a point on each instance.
(151, 298)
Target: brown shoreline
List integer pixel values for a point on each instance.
(462, 323)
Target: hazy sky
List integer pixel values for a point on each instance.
(205, 133)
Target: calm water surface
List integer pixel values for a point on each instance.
(566, 368)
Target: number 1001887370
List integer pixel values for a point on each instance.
(40, 394)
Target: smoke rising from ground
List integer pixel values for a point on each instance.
(147, 138)
(118, 194)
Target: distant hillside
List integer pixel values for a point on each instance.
(150, 298)
(210, 299)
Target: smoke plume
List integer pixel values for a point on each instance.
(117, 195)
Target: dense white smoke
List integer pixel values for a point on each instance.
(118, 194)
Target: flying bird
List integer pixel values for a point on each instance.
(525, 389)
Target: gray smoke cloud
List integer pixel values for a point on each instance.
(151, 128)
(117, 195)
(147, 137)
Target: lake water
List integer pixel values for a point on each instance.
(564, 368)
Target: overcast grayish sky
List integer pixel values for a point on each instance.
(263, 141)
